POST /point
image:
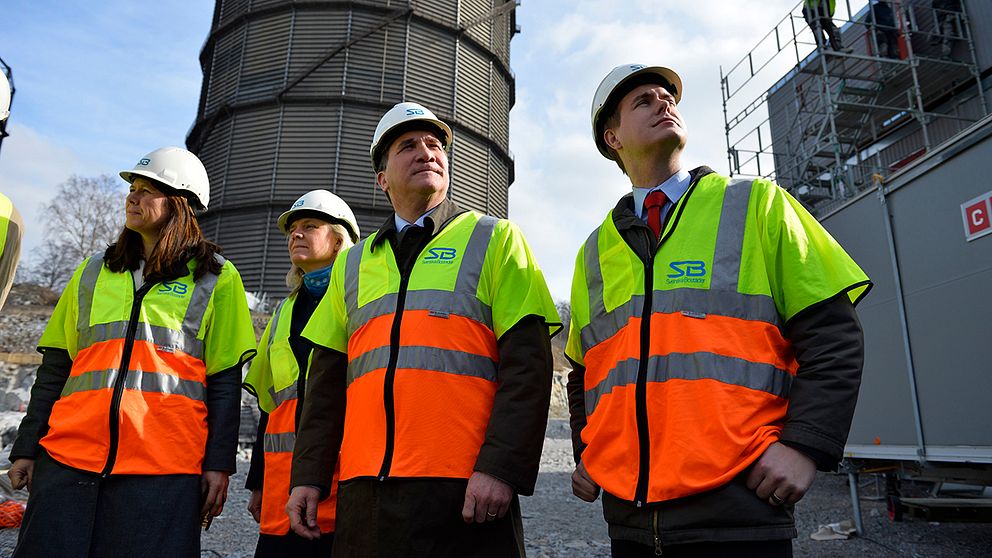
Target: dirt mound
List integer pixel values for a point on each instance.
(27, 294)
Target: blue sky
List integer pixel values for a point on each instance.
(101, 83)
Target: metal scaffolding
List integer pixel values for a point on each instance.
(821, 121)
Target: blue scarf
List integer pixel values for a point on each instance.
(316, 281)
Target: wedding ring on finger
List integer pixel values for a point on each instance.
(776, 499)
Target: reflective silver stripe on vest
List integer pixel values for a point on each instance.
(87, 284)
(165, 339)
(424, 358)
(283, 395)
(203, 289)
(694, 366)
(462, 304)
(279, 443)
(462, 301)
(275, 322)
(756, 308)
(594, 284)
(721, 299)
(351, 272)
(730, 236)
(152, 382)
(474, 256)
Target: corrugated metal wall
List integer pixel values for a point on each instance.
(292, 92)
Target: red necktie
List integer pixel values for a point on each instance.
(654, 203)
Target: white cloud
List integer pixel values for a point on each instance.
(31, 168)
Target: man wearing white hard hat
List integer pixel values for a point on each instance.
(715, 351)
(432, 370)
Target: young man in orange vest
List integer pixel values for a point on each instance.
(715, 349)
(432, 372)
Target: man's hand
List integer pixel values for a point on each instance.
(213, 492)
(302, 511)
(486, 498)
(20, 473)
(255, 505)
(582, 484)
(781, 475)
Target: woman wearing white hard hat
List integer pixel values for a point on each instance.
(131, 432)
(317, 227)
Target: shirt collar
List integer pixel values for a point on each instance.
(402, 223)
(434, 220)
(675, 187)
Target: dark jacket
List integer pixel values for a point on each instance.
(829, 348)
(396, 513)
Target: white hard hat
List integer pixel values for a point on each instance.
(614, 82)
(4, 97)
(400, 115)
(322, 201)
(177, 169)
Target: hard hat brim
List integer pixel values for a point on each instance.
(432, 125)
(287, 219)
(129, 176)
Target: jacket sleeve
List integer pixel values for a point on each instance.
(318, 439)
(47, 388)
(223, 420)
(256, 470)
(829, 347)
(514, 439)
(576, 407)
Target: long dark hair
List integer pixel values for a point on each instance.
(179, 241)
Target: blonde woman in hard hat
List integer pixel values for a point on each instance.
(318, 227)
(131, 432)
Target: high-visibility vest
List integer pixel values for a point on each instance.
(422, 350)
(135, 399)
(688, 369)
(11, 231)
(273, 377)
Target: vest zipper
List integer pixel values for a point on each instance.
(657, 534)
(115, 403)
(640, 390)
(387, 384)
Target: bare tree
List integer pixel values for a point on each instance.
(83, 218)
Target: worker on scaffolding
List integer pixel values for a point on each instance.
(819, 15)
(716, 354)
(947, 19)
(886, 32)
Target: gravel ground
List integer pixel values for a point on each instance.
(559, 525)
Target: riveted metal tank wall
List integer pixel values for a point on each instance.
(292, 91)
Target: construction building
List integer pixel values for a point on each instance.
(890, 149)
(835, 118)
(292, 92)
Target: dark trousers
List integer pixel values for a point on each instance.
(742, 549)
(293, 545)
(72, 514)
(821, 22)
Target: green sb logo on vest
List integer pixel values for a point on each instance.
(691, 271)
(173, 288)
(440, 256)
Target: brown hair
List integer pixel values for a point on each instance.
(180, 240)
